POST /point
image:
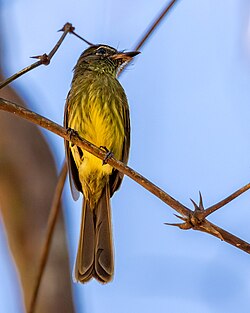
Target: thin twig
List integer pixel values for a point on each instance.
(223, 202)
(83, 39)
(20, 73)
(67, 28)
(49, 234)
(150, 30)
(204, 225)
(154, 25)
(43, 59)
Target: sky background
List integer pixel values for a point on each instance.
(190, 113)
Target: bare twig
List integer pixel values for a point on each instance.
(154, 25)
(20, 73)
(220, 204)
(49, 234)
(150, 30)
(83, 39)
(189, 217)
(43, 59)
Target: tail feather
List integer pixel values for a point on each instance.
(95, 249)
(104, 263)
(85, 256)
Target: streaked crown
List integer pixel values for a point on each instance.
(104, 59)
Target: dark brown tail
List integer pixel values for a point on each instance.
(95, 248)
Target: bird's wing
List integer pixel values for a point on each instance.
(75, 184)
(116, 176)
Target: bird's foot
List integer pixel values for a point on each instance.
(108, 155)
(72, 132)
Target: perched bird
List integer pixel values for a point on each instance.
(97, 109)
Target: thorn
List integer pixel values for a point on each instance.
(183, 226)
(174, 224)
(180, 217)
(201, 206)
(43, 58)
(68, 27)
(196, 208)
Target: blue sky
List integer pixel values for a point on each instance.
(190, 114)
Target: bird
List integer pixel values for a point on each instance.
(97, 110)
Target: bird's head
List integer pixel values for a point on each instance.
(104, 59)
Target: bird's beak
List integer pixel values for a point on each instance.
(125, 56)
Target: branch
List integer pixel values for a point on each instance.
(150, 30)
(188, 216)
(223, 202)
(45, 58)
(49, 234)
(155, 24)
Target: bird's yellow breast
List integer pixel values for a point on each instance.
(98, 116)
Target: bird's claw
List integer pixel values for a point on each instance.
(108, 155)
(72, 133)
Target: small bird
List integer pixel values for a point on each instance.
(97, 109)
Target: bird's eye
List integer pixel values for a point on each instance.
(101, 51)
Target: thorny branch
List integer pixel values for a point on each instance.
(191, 219)
(44, 58)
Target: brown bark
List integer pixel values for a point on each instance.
(191, 219)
